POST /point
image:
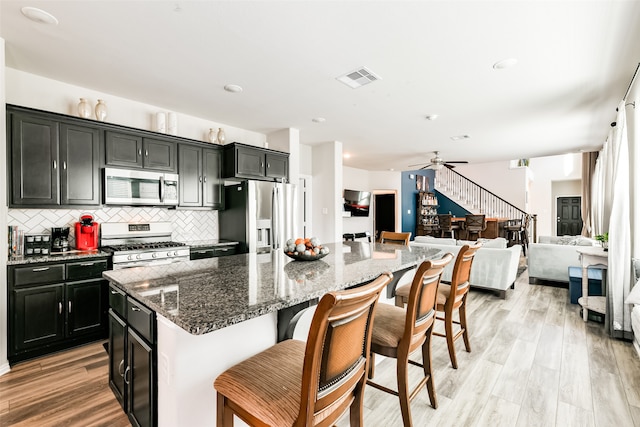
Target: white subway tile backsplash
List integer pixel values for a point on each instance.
(187, 225)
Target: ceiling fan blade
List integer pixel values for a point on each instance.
(457, 161)
(449, 166)
(419, 164)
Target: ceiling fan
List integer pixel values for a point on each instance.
(438, 162)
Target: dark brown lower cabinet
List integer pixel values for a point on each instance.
(54, 306)
(132, 358)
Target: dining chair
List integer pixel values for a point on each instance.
(397, 333)
(393, 237)
(475, 225)
(294, 383)
(447, 225)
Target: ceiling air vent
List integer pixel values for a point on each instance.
(358, 77)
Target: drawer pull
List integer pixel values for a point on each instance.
(135, 308)
(35, 270)
(87, 264)
(126, 374)
(69, 306)
(114, 292)
(223, 249)
(120, 366)
(59, 308)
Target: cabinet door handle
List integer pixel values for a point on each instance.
(55, 164)
(140, 152)
(64, 165)
(126, 375)
(87, 264)
(60, 307)
(223, 249)
(205, 179)
(134, 308)
(200, 179)
(268, 165)
(146, 153)
(35, 270)
(69, 306)
(261, 164)
(120, 366)
(114, 292)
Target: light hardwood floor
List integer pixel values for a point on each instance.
(64, 389)
(534, 362)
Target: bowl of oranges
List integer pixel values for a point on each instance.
(305, 249)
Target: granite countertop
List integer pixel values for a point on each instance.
(210, 243)
(206, 295)
(57, 256)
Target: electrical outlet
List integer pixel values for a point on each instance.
(408, 211)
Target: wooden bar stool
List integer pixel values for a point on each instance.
(397, 333)
(294, 383)
(451, 296)
(397, 238)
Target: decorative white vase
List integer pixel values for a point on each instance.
(84, 109)
(101, 110)
(161, 122)
(172, 125)
(221, 136)
(212, 136)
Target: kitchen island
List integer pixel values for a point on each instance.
(216, 312)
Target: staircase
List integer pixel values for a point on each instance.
(478, 200)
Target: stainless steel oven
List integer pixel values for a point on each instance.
(140, 187)
(141, 244)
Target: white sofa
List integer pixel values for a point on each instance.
(551, 257)
(495, 267)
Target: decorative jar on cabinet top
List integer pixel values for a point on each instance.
(221, 136)
(212, 136)
(101, 110)
(84, 109)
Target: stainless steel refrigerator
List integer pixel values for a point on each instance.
(260, 215)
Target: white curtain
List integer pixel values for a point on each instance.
(612, 213)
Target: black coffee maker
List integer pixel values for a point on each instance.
(59, 239)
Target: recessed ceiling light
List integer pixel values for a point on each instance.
(318, 120)
(431, 117)
(233, 88)
(346, 155)
(460, 137)
(505, 63)
(39, 15)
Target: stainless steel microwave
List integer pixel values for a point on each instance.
(140, 187)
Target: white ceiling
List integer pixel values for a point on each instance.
(575, 62)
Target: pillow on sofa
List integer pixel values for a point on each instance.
(568, 240)
(634, 295)
(498, 242)
(435, 240)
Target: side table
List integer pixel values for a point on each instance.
(592, 256)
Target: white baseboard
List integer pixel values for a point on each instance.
(4, 368)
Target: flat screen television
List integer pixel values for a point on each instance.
(357, 202)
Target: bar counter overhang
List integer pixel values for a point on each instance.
(216, 312)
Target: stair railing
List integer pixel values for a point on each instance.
(478, 199)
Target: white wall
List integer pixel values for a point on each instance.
(4, 364)
(546, 171)
(30, 90)
(499, 178)
(327, 191)
(373, 181)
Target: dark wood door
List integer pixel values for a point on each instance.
(159, 155)
(569, 220)
(190, 170)
(34, 161)
(38, 317)
(250, 162)
(140, 373)
(117, 357)
(212, 194)
(277, 166)
(122, 149)
(86, 307)
(384, 213)
(80, 169)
